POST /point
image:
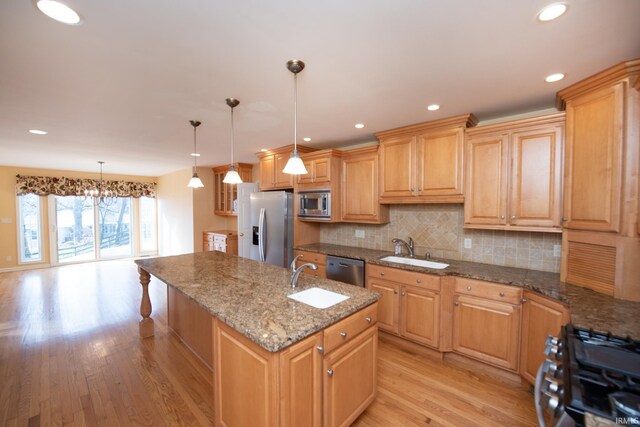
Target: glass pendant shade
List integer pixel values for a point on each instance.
(295, 165)
(195, 181)
(232, 176)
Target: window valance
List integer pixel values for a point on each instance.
(62, 186)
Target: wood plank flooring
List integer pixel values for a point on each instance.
(70, 354)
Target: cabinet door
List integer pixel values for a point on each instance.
(360, 189)
(536, 177)
(486, 181)
(350, 379)
(420, 318)
(308, 178)
(397, 167)
(541, 317)
(321, 170)
(301, 383)
(439, 171)
(282, 180)
(593, 164)
(267, 174)
(218, 193)
(487, 330)
(388, 304)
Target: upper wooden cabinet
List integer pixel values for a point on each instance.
(514, 175)
(271, 164)
(600, 248)
(323, 167)
(225, 194)
(423, 163)
(359, 188)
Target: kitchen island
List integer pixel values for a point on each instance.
(275, 361)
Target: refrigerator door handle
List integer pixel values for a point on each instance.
(261, 235)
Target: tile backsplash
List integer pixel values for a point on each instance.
(439, 230)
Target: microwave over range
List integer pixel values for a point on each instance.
(315, 204)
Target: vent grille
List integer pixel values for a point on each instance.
(592, 266)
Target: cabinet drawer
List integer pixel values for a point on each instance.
(320, 272)
(349, 328)
(405, 277)
(313, 257)
(492, 291)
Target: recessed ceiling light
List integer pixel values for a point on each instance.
(264, 150)
(38, 132)
(552, 11)
(195, 154)
(59, 11)
(554, 77)
(359, 125)
(307, 139)
(433, 107)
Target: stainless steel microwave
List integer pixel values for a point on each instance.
(315, 204)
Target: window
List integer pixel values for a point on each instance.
(29, 228)
(148, 232)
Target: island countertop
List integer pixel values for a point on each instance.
(251, 297)
(589, 309)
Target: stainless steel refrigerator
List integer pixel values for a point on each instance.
(272, 227)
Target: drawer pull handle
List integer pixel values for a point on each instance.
(501, 294)
(368, 319)
(330, 372)
(468, 288)
(320, 349)
(343, 334)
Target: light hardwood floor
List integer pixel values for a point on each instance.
(70, 354)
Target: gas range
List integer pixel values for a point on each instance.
(589, 379)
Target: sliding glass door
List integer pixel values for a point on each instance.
(115, 229)
(75, 229)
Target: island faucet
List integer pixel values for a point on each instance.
(409, 245)
(295, 272)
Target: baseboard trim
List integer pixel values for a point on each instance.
(25, 267)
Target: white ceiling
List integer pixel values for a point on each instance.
(122, 86)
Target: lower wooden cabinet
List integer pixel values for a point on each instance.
(410, 303)
(541, 317)
(487, 330)
(222, 240)
(320, 261)
(327, 379)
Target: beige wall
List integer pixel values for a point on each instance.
(8, 209)
(439, 230)
(175, 213)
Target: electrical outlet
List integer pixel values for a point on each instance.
(8, 258)
(467, 243)
(6, 221)
(557, 249)
(360, 234)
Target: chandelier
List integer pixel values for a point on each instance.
(99, 194)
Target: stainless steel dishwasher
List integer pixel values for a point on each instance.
(347, 270)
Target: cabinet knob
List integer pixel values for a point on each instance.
(502, 216)
(382, 273)
(420, 189)
(456, 303)
(368, 319)
(330, 372)
(412, 189)
(418, 281)
(501, 294)
(565, 219)
(395, 292)
(513, 217)
(403, 293)
(343, 334)
(468, 288)
(320, 349)
(241, 234)
(523, 300)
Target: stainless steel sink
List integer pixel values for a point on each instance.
(415, 262)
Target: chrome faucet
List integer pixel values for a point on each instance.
(409, 245)
(295, 272)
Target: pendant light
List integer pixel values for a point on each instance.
(195, 181)
(232, 176)
(294, 165)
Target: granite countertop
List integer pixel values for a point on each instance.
(251, 297)
(589, 309)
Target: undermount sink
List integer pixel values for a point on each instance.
(318, 298)
(416, 262)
